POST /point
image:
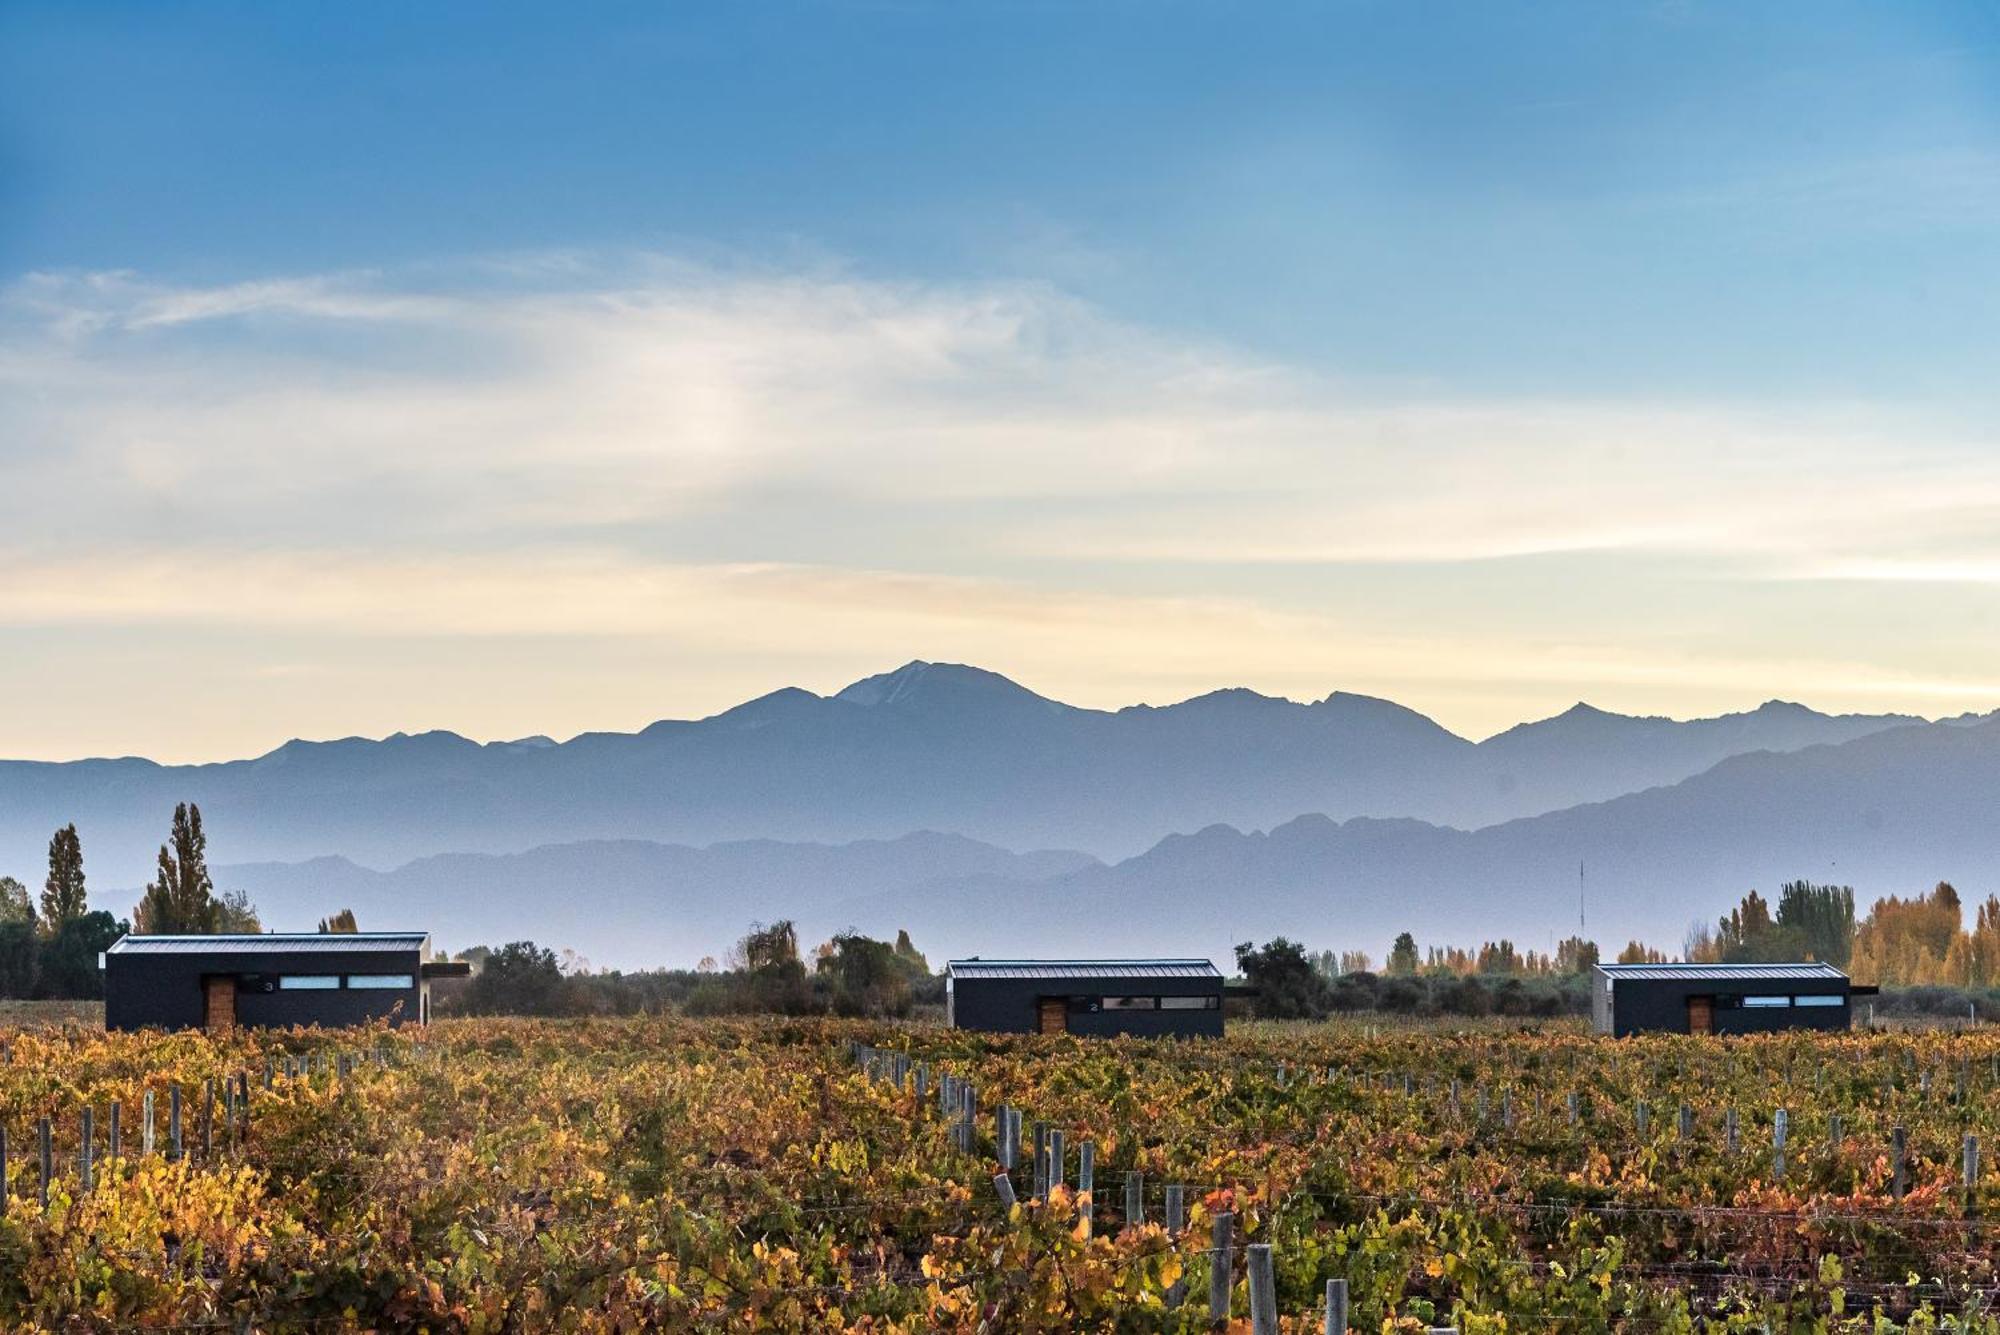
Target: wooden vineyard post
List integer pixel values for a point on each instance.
(208, 1118)
(1899, 1151)
(1969, 1168)
(1135, 1199)
(1729, 1132)
(1176, 1210)
(88, 1127)
(1004, 1186)
(4, 1191)
(111, 1147)
(1686, 1126)
(146, 1124)
(1642, 1116)
(48, 1161)
(1263, 1291)
(1086, 1184)
(1057, 1159)
(174, 1122)
(1336, 1307)
(1221, 1261)
(1834, 1136)
(1041, 1160)
(1780, 1125)
(1003, 1149)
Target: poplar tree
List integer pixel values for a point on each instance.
(181, 896)
(63, 898)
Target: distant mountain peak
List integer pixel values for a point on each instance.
(918, 683)
(1356, 703)
(885, 688)
(1231, 697)
(769, 707)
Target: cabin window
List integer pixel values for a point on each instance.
(308, 982)
(380, 981)
(1767, 1001)
(1190, 1003)
(1131, 1003)
(1819, 1001)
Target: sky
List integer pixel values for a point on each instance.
(540, 369)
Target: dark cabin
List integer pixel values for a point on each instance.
(1145, 998)
(273, 979)
(1719, 998)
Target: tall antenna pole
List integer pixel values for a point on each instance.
(1579, 897)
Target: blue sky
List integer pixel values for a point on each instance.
(1724, 198)
(1353, 337)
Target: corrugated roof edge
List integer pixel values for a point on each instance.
(1788, 969)
(1201, 967)
(224, 940)
(1134, 959)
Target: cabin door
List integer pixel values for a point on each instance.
(1052, 1015)
(1701, 1015)
(219, 1015)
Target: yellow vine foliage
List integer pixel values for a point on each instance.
(667, 1174)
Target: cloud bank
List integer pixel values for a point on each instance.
(710, 480)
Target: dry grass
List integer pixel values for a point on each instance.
(50, 1014)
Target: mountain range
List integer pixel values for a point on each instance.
(1892, 812)
(926, 747)
(902, 801)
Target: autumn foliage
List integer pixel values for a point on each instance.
(626, 1175)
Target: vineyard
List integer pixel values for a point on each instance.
(498, 1175)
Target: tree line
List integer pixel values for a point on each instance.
(1290, 982)
(49, 948)
(1921, 941)
(1920, 948)
(849, 974)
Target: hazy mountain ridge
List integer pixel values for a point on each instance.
(927, 746)
(630, 902)
(1890, 812)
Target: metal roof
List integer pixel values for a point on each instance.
(1719, 972)
(270, 943)
(1081, 969)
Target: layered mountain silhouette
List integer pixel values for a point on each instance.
(1892, 812)
(901, 801)
(926, 747)
(628, 902)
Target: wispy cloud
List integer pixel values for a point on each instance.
(601, 401)
(764, 460)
